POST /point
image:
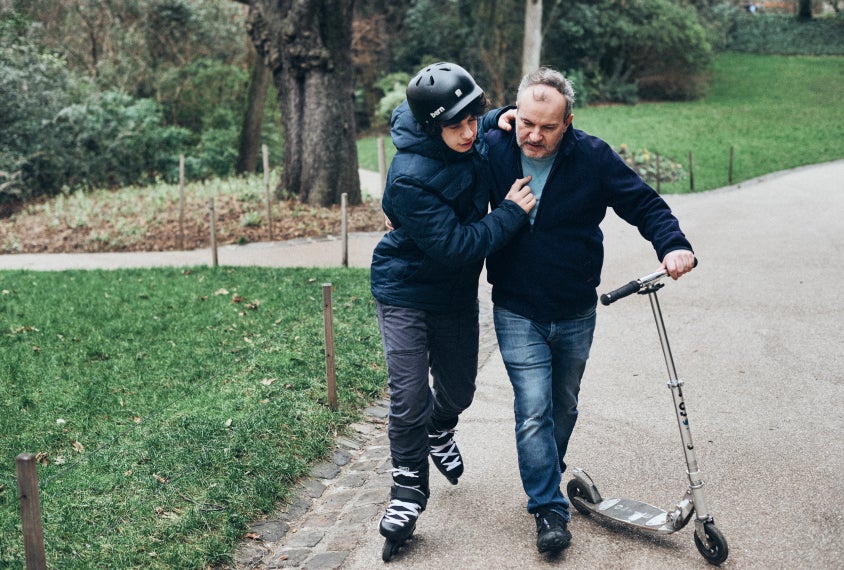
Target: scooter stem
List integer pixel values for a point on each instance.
(676, 386)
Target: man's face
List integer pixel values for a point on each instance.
(541, 121)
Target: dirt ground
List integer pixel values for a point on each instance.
(111, 226)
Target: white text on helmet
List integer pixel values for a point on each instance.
(436, 113)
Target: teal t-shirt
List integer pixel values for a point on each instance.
(538, 169)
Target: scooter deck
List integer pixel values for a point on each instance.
(635, 513)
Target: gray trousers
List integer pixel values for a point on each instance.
(416, 343)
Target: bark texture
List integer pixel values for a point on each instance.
(307, 45)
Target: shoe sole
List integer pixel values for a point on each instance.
(554, 545)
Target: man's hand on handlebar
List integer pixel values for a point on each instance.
(678, 262)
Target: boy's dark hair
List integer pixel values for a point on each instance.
(477, 108)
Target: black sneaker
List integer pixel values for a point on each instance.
(551, 532)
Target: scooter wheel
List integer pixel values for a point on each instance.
(718, 550)
(577, 493)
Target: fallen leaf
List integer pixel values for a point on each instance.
(267, 381)
(221, 292)
(252, 536)
(77, 447)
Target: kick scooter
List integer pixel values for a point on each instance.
(584, 495)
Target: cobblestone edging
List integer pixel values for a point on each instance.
(323, 524)
(327, 519)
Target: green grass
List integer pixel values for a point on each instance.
(777, 112)
(171, 407)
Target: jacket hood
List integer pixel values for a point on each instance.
(407, 135)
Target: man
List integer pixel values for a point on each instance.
(545, 279)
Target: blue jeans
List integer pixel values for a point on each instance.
(545, 362)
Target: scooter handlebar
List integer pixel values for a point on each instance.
(633, 286)
(620, 293)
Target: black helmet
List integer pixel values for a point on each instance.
(440, 91)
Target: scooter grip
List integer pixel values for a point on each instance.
(620, 293)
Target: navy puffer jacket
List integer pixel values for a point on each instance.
(437, 200)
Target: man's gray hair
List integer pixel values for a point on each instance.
(552, 78)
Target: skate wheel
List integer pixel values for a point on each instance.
(390, 549)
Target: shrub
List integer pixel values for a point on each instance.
(108, 140)
(393, 87)
(651, 167)
(34, 86)
(59, 132)
(215, 155)
(786, 35)
(193, 95)
(654, 49)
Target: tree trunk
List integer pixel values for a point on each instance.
(253, 118)
(804, 9)
(307, 46)
(532, 43)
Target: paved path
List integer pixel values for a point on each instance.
(757, 332)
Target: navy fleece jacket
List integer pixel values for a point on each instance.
(550, 270)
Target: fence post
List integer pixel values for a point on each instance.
(266, 152)
(344, 227)
(213, 218)
(730, 174)
(33, 533)
(691, 172)
(382, 163)
(181, 202)
(330, 371)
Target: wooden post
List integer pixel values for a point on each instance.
(730, 174)
(213, 219)
(691, 172)
(330, 371)
(181, 202)
(266, 152)
(382, 163)
(33, 532)
(344, 227)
